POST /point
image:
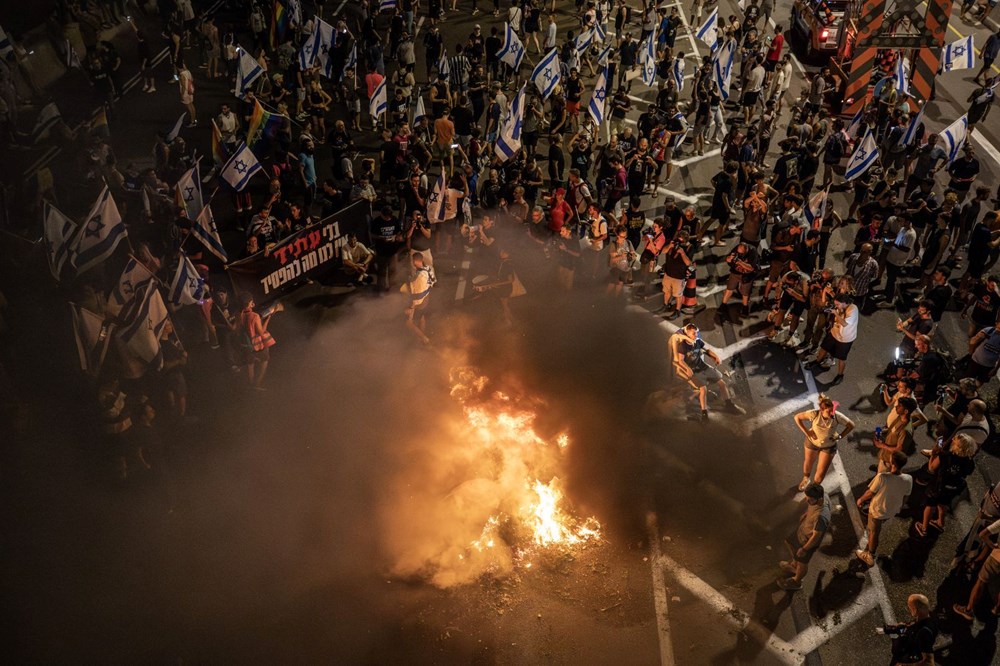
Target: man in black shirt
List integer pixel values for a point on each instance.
(913, 642)
(938, 295)
(675, 265)
(964, 172)
(387, 235)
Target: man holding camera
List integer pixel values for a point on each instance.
(913, 642)
(841, 336)
(687, 353)
(675, 266)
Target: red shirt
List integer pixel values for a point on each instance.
(558, 215)
(774, 52)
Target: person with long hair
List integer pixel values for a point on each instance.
(826, 427)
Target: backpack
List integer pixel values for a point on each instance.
(835, 146)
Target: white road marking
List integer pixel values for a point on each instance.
(779, 411)
(416, 31)
(687, 26)
(339, 7)
(711, 291)
(686, 198)
(659, 593)
(988, 148)
(697, 158)
(782, 650)
(816, 635)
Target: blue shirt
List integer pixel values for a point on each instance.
(308, 167)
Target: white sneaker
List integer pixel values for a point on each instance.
(792, 341)
(145, 87)
(152, 89)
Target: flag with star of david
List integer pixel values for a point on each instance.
(864, 156)
(911, 129)
(442, 202)
(138, 334)
(187, 287)
(248, 70)
(100, 235)
(512, 51)
(351, 63)
(509, 140)
(722, 67)
(240, 168)
(604, 55)
(135, 277)
(379, 102)
(316, 49)
(709, 30)
(546, 75)
(204, 229)
(959, 55)
(596, 106)
(187, 193)
(678, 70)
(58, 233)
(954, 137)
(647, 59)
(584, 41)
(902, 78)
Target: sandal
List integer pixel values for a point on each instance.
(919, 529)
(936, 525)
(962, 611)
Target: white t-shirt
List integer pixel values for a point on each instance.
(847, 332)
(889, 492)
(897, 256)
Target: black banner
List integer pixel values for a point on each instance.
(305, 254)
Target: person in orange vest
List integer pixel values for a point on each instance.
(257, 341)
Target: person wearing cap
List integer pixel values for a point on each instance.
(813, 525)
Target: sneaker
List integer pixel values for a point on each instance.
(837, 379)
(704, 415)
(787, 566)
(152, 89)
(803, 483)
(926, 453)
(145, 87)
(734, 408)
(789, 584)
(963, 611)
(865, 557)
(673, 315)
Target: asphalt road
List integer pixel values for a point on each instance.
(273, 528)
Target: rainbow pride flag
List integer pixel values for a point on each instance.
(279, 23)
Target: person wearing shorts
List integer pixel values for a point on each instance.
(794, 296)
(688, 352)
(822, 434)
(807, 539)
(840, 337)
(887, 492)
(742, 270)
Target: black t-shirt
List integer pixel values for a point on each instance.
(985, 306)
(574, 89)
(382, 232)
(785, 169)
(581, 159)
(493, 45)
(462, 117)
(723, 186)
(963, 168)
(917, 640)
(979, 245)
(939, 296)
(673, 265)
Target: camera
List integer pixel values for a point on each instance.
(892, 630)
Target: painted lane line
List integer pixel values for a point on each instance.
(776, 413)
(680, 196)
(697, 158)
(987, 147)
(659, 593)
(782, 650)
(815, 636)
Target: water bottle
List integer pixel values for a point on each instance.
(878, 432)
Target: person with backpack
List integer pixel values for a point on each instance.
(834, 150)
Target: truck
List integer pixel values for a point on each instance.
(817, 25)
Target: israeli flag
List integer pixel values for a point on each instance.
(864, 156)
(379, 102)
(709, 30)
(602, 58)
(959, 55)
(443, 67)
(135, 277)
(596, 106)
(512, 51)
(386, 5)
(307, 54)
(902, 80)
(419, 111)
(59, 232)
(248, 70)
(100, 235)
(584, 41)
(240, 168)
(722, 67)
(188, 193)
(678, 68)
(352, 60)
(187, 287)
(599, 35)
(442, 203)
(855, 124)
(323, 36)
(509, 140)
(954, 137)
(816, 209)
(546, 75)
(647, 59)
(911, 129)
(204, 229)
(138, 339)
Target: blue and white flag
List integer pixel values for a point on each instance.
(722, 67)
(864, 156)
(599, 35)
(6, 47)
(307, 54)
(379, 102)
(509, 138)
(350, 63)
(316, 49)
(678, 69)
(443, 68)
(911, 129)
(855, 124)
(419, 111)
(248, 70)
(512, 51)
(133, 279)
(58, 232)
(596, 106)
(647, 59)
(188, 193)
(204, 229)
(959, 55)
(816, 209)
(954, 137)
(187, 287)
(584, 41)
(47, 119)
(602, 57)
(902, 78)
(100, 235)
(442, 202)
(709, 30)
(386, 5)
(240, 168)
(546, 75)
(138, 337)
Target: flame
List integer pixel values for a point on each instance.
(501, 426)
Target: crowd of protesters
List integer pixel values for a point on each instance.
(575, 196)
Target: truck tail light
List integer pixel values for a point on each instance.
(824, 35)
